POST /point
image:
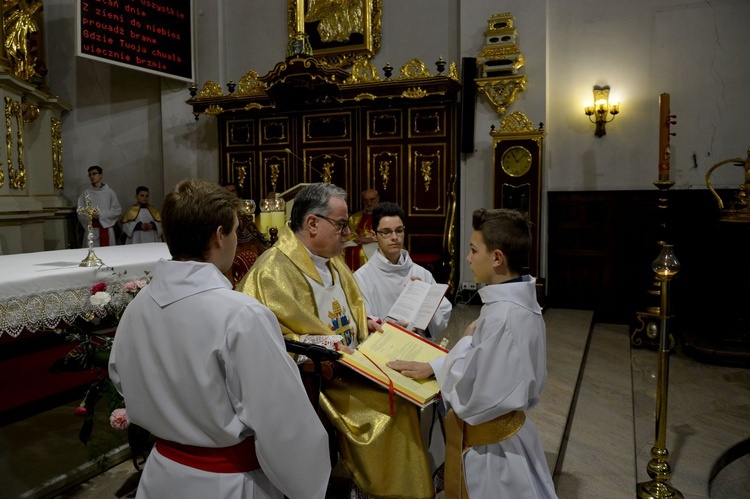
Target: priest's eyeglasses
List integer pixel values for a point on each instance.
(341, 226)
(389, 232)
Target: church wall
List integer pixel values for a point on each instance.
(137, 126)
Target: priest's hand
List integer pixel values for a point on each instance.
(416, 370)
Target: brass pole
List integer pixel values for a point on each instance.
(658, 467)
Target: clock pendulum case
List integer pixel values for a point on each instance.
(517, 174)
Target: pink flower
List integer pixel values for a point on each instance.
(141, 282)
(102, 286)
(130, 287)
(81, 411)
(119, 419)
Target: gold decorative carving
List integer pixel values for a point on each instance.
(501, 91)
(17, 179)
(250, 85)
(210, 89)
(214, 110)
(363, 71)
(57, 154)
(30, 112)
(414, 69)
(337, 22)
(21, 21)
(453, 71)
(252, 105)
(241, 174)
(414, 93)
(384, 168)
(274, 167)
(328, 171)
(516, 123)
(426, 170)
(365, 96)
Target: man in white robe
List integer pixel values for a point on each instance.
(384, 276)
(141, 222)
(495, 372)
(105, 199)
(205, 370)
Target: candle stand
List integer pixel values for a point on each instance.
(666, 267)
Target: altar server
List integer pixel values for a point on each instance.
(205, 370)
(141, 222)
(105, 199)
(384, 276)
(495, 372)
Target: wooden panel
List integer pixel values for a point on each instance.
(327, 127)
(330, 164)
(240, 168)
(427, 122)
(426, 180)
(277, 172)
(385, 171)
(240, 133)
(384, 124)
(275, 131)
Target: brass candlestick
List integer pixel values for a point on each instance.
(91, 259)
(666, 267)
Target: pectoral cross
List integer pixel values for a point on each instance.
(91, 259)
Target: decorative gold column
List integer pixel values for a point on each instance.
(666, 267)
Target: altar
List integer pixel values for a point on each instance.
(41, 290)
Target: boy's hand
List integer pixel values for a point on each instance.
(416, 370)
(470, 329)
(373, 326)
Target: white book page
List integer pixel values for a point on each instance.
(430, 304)
(408, 303)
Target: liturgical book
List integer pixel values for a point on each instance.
(396, 343)
(417, 303)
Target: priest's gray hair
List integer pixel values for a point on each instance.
(313, 199)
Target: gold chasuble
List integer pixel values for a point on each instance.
(383, 453)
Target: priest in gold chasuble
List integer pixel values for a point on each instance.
(307, 285)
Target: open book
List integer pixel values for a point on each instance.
(396, 343)
(417, 303)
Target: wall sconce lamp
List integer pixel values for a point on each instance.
(601, 110)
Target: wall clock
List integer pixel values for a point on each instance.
(516, 161)
(517, 174)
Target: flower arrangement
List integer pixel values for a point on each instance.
(93, 342)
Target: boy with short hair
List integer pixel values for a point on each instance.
(495, 372)
(141, 222)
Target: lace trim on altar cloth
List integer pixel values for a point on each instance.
(48, 310)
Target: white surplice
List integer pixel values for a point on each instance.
(203, 365)
(381, 282)
(109, 212)
(140, 236)
(501, 368)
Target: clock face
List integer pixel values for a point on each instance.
(516, 161)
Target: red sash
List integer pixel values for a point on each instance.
(103, 233)
(238, 458)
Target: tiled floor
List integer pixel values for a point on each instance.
(596, 421)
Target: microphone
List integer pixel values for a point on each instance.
(312, 351)
(289, 151)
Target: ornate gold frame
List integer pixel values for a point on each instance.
(340, 54)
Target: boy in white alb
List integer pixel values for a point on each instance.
(205, 370)
(384, 276)
(105, 199)
(495, 372)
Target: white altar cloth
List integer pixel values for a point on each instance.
(39, 290)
